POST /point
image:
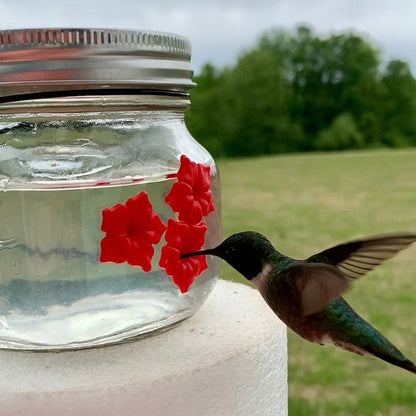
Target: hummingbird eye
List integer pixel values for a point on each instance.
(231, 251)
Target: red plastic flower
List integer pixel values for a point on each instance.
(191, 196)
(182, 238)
(131, 231)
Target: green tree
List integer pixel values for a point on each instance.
(328, 77)
(398, 105)
(203, 119)
(298, 91)
(255, 104)
(342, 134)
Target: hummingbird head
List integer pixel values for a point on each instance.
(247, 252)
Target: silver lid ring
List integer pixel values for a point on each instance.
(42, 60)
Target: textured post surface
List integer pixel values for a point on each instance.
(229, 359)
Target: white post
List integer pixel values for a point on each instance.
(230, 359)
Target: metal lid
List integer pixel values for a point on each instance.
(49, 60)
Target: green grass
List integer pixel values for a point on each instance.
(305, 203)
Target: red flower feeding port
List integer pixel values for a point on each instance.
(182, 238)
(191, 196)
(133, 228)
(131, 231)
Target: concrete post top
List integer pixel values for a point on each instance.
(176, 368)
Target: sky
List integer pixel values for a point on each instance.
(220, 30)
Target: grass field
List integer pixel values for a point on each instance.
(305, 203)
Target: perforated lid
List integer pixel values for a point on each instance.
(48, 60)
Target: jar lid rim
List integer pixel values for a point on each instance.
(101, 38)
(39, 60)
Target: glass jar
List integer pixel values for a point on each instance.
(95, 161)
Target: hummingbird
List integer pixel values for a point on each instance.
(306, 294)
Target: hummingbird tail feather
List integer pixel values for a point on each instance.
(406, 364)
(372, 343)
(399, 361)
(396, 358)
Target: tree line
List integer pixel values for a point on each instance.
(296, 91)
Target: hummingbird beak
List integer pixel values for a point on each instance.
(198, 253)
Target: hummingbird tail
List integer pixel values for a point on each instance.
(390, 354)
(393, 356)
(406, 364)
(354, 334)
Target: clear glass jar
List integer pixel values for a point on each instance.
(89, 120)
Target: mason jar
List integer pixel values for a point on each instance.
(102, 188)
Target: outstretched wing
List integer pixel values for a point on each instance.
(356, 258)
(312, 286)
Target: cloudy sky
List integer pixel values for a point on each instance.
(221, 29)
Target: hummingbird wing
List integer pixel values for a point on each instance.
(356, 258)
(314, 285)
